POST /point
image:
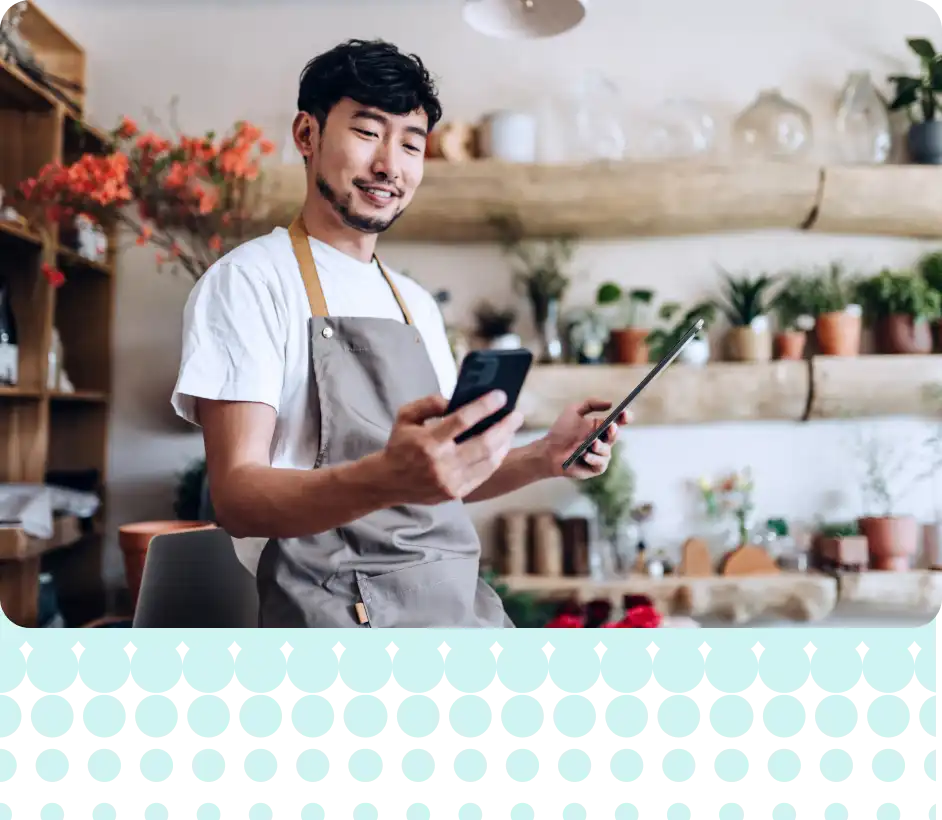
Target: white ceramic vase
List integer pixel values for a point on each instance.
(697, 353)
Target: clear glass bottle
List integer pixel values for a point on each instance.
(772, 128)
(862, 124)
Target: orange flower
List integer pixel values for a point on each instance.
(127, 129)
(54, 277)
(215, 243)
(146, 232)
(266, 147)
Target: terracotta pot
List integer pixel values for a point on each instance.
(838, 334)
(900, 334)
(932, 544)
(630, 346)
(134, 539)
(744, 344)
(790, 344)
(892, 541)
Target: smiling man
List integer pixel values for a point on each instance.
(313, 371)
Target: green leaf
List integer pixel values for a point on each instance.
(608, 294)
(922, 47)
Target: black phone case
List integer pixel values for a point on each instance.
(483, 371)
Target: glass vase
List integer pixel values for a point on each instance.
(772, 128)
(863, 123)
(546, 315)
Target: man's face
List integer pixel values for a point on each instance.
(366, 163)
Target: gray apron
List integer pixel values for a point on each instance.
(409, 566)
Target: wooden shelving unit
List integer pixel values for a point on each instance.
(457, 202)
(823, 387)
(46, 436)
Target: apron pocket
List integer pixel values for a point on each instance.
(435, 594)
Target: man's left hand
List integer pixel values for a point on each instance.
(571, 429)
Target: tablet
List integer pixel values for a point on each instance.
(583, 448)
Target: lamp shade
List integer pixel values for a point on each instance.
(523, 19)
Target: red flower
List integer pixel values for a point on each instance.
(641, 617)
(54, 277)
(565, 621)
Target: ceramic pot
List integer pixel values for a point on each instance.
(932, 544)
(790, 344)
(838, 334)
(134, 540)
(925, 142)
(900, 334)
(892, 541)
(630, 346)
(746, 344)
(697, 353)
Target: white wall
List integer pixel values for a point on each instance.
(228, 60)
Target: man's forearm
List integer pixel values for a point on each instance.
(523, 466)
(277, 503)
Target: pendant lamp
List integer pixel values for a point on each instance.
(523, 19)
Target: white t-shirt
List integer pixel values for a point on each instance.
(246, 332)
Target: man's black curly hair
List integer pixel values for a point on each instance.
(373, 73)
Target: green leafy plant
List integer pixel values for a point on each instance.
(831, 290)
(745, 298)
(839, 529)
(189, 491)
(612, 492)
(524, 609)
(493, 322)
(540, 271)
(898, 293)
(636, 302)
(661, 340)
(920, 94)
(930, 268)
(794, 304)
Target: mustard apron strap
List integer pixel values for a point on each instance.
(312, 282)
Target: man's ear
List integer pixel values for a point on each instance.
(306, 133)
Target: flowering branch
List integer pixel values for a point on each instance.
(188, 198)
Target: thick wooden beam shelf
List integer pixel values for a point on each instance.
(794, 596)
(823, 388)
(11, 232)
(16, 545)
(458, 202)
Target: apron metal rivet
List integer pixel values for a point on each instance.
(327, 332)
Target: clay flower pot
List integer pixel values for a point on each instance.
(838, 334)
(746, 344)
(892, 541)
(134, 539)
(790, 344)
(630, 345)
(901, 334)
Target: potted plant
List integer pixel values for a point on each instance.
(661, 340)
(932, 532)
(837, 316)
(794, 310)
(918, 96)
(540, 275)
(929, 267)
(612, 493)
(495, 327)
(901, 306)
(840, 546)
(892, 538)
(745, 305)
(629, 336)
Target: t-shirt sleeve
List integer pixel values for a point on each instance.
(234, 336)
(439, 347)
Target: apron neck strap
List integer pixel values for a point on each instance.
(312, 282)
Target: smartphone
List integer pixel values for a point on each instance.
(483, 371)
(686, 339)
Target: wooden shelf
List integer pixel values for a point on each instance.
(824, 387)
(68, 259)
(44, 433)
(795, 596)
(16, 545)
(724, 391)
(11, 232)
(605, 200)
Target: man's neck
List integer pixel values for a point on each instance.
(330, 229)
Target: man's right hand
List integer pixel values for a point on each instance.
(425, 466)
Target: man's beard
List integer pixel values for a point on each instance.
(364, 224)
